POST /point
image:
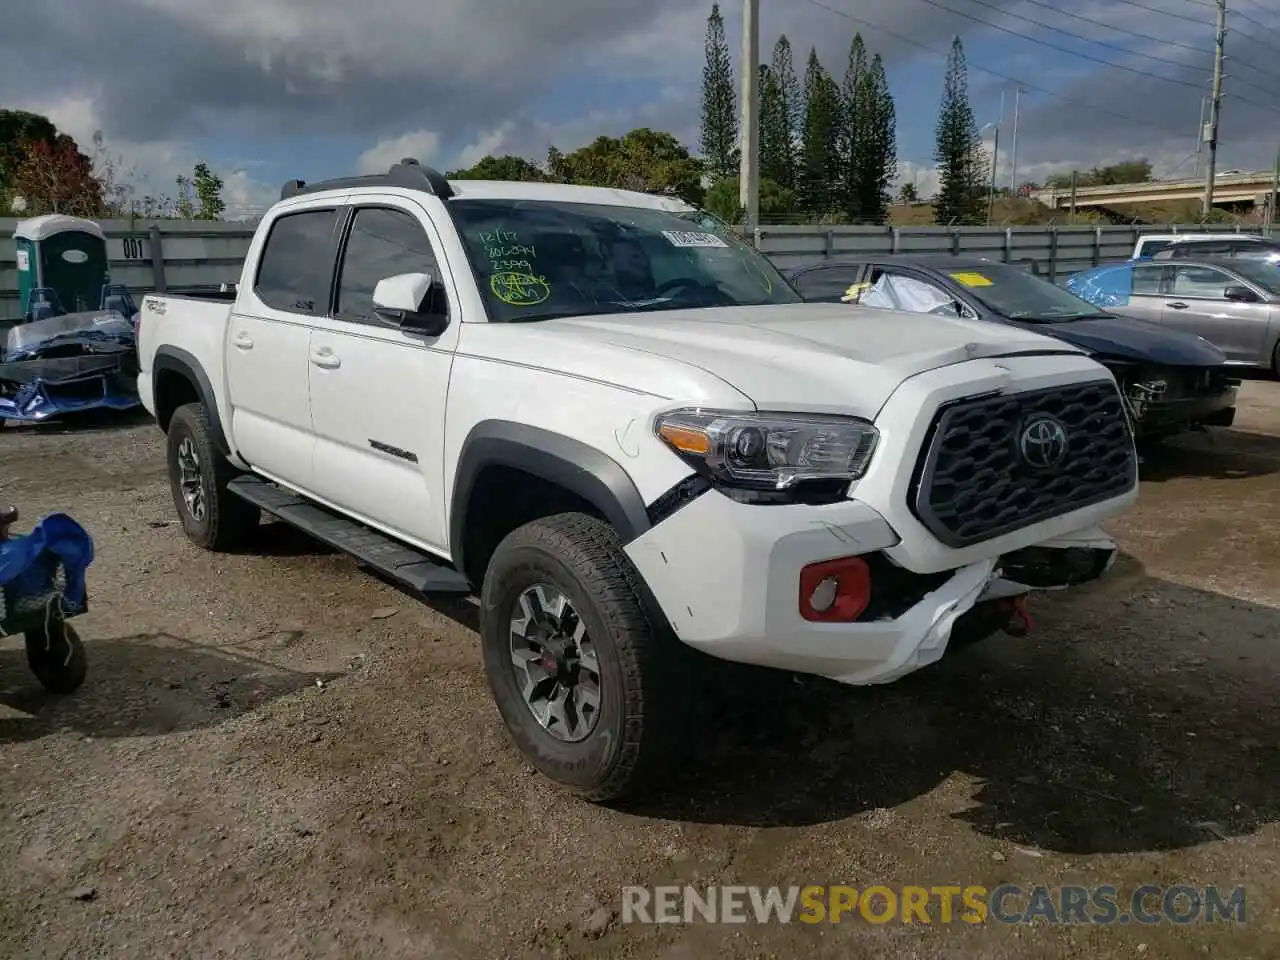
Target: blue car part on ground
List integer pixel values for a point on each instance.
(56, 363)
(42, 586)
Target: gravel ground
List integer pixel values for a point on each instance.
(277, 756)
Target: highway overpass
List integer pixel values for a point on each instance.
(1232, 187)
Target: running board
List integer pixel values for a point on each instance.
(407, 566)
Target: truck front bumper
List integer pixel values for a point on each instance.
(727, 577)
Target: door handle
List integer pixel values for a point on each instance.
(1177, 306)
(243, 341)
(326, 358)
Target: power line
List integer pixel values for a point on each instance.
(1061, 49)
(1106, 63)
(1107, 26)
(1133, 33)
(1259, 8)
(993, 73)
(1199, 21)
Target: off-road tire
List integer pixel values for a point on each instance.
(228, 520)
(643, 710)
(56, 656)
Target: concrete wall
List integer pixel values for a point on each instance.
(190, 257)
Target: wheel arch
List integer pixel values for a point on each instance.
(178, 378)
(556, 462)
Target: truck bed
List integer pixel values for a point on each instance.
(192, 325)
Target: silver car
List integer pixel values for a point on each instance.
(1233, 303)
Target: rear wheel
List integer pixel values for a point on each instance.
(212, 517)
(1275, 360)
(585, 681)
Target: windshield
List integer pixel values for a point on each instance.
(1262, 272)
(537, 260)
(1020, 295)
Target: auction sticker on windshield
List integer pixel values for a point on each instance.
(690, 238)
(971, 279)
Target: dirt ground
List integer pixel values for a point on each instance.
(275, 755)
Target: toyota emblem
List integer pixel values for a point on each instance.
(1043, 442)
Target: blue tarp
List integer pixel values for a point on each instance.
(1109, 286)
(25, 566)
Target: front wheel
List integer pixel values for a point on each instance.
(212, 516)
(585, 681)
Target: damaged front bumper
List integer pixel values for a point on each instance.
(736, 595)
(37, 390)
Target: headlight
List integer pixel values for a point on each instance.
(769, 451)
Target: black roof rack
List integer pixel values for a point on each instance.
(408, 174)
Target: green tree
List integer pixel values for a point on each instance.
(907, 193)
(35, 156)
(719, 104)
(505, 167)
(1130, 171)
(776, 201)
(958, 152)
(790, 108)
(875, 154)
(775, 135)
(817, 189)
(853, 116)
(646, 160)
(207, 186)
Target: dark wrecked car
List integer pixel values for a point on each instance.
(1172, 381)
(66, 363)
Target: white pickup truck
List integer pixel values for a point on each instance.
(618, 424)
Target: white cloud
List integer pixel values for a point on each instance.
(421, 145)
(150, 169)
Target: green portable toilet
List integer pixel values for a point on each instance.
(67, 254)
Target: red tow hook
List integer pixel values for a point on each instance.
(1020, 622)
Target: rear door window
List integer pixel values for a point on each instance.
(295, 271)
(827, 283)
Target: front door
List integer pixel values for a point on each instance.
(1195, 303)
(267, 339)
(377, 392)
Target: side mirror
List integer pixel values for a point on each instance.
(403, 301)
(1240, 294)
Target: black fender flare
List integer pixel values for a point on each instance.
(582, 470)
(179, 361)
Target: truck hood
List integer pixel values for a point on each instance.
(811, 357)
(1128, 338)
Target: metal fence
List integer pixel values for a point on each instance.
(192, 257)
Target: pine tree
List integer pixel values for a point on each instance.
(775, 137)
(719, 104)
(958, 153)
(819, 159)
(877, 151)
(854, 115)
(791, 100)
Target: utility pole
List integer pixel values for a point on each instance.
(749, 123)
(1013, 158)
(1275, 195)
(1215, 109)
(1204, 102)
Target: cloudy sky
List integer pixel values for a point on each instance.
(267, 90)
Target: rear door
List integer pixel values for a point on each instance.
(1195, 303)
(1145, 300)
(377, 392)
(829, 284)
(267, 340)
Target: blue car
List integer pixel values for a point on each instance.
(1172, 381)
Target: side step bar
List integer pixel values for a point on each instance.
(405, 565)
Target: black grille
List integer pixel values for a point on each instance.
(973, 482)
